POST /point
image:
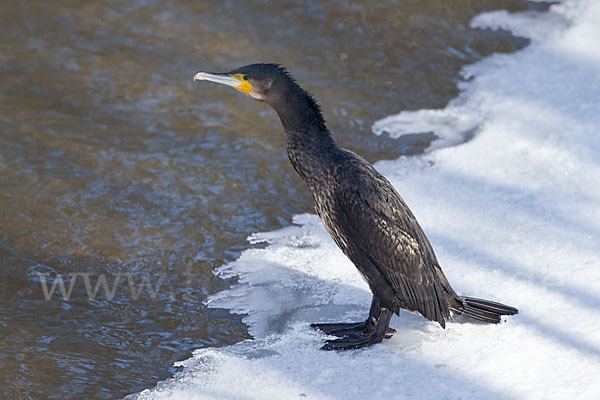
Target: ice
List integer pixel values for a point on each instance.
(514, 216)
(538, 27)
(451, 124)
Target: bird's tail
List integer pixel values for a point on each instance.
(484, 310)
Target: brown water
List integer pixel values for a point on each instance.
(115, 165)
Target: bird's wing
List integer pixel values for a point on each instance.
(386, 231)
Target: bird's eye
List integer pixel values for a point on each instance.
(245, 77)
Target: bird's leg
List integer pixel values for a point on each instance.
(379, 331)
(342, 329)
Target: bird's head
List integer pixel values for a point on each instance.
(263, 82)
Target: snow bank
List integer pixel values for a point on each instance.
(514, 216)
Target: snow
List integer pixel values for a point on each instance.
(513, 215)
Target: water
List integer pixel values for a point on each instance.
(114, 165)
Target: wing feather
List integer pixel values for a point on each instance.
(386, 231)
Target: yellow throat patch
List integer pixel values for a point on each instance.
(244, 85)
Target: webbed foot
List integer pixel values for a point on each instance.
(342, 329)
(357, 335)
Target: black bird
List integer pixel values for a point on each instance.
(362, 212)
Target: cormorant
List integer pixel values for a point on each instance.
(362, 212)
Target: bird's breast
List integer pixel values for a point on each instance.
(329, 212)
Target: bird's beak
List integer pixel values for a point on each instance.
(235, 80)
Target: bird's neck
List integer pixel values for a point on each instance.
(309, 143)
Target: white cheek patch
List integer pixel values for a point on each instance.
(256, 95)
(261, 95)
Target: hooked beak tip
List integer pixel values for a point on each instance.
(199, 76)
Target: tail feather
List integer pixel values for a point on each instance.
(484, 310)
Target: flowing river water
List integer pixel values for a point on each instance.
(115, 166)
